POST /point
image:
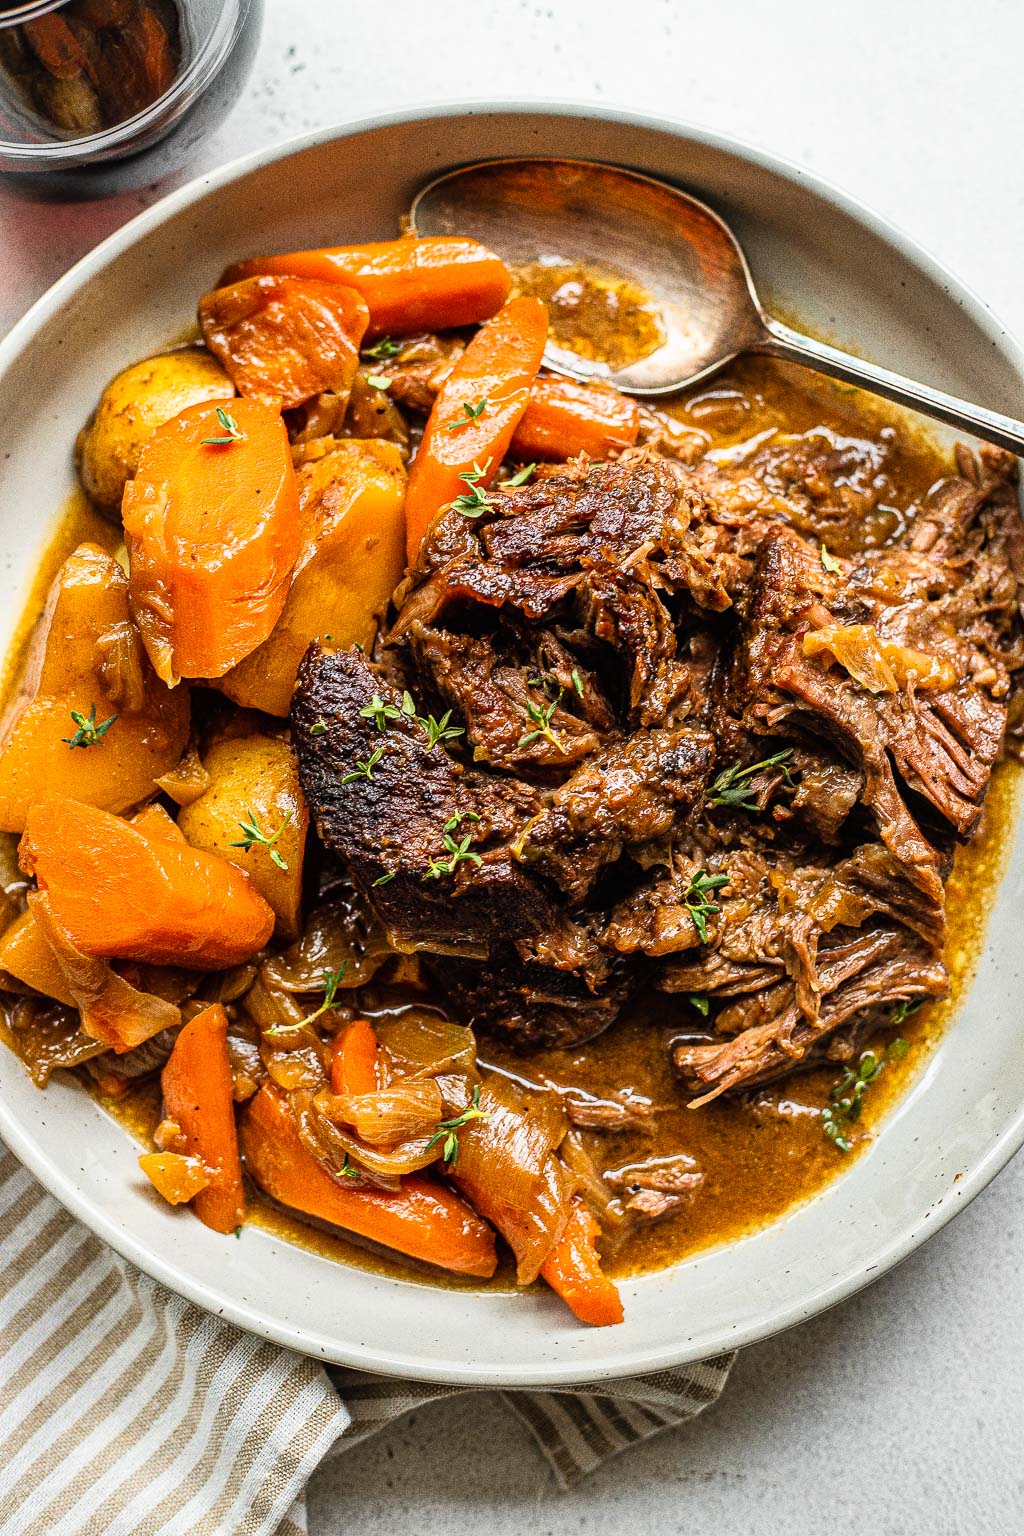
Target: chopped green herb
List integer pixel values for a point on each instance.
(377, 381)
(447, 1128)
(383, 879)
(577, 681)
(318, 728)
(732, 786)
(698, 1001)
(253, 834)
(88, 733)
(238, 1231)
(470, 413)
(232, 434)
(845, 1100)
(696, 898)
(347, 1171)
(829, 562)
(379, 712)
(408, 705)
(476, 501)
(364, 770)
(541, 715)
(903, 1010)
(384, 349)
(520, 477)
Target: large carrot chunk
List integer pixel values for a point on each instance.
(564, 418)
(573, 1269)
(409, 285)
(285, 339)
(122, 893)
(422, 1220)
(475, 413)
(199, 1099)
(211, 521)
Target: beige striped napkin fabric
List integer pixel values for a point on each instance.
(126, 1411)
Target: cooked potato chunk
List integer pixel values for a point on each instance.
(86, 657)
(132, 406)
(352, 557)
(254, 789)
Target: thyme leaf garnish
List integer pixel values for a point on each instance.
(439, 730)
(696, 898)
(253, 834)
(379, 712)
(845, 1100)
(541, 715)
(378, 381)
(446, 1130)
(475, 501)
(88, 733)
(520, 477)
(470, 413)
(458, 853)
(699, 1001)
(732, 786)
(577, 681)
(364, 770)
(318, 728)
(232, 432)
(384, 349)
(332, 981)
(829, 562)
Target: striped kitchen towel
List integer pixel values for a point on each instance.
(125, 1411)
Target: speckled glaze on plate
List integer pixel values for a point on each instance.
(845, 274)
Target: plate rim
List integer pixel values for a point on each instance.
(886, 1254)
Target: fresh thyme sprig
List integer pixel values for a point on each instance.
(845, 1100)
(232, 431)
(364, 770)
(253, 834)
(446, 1130)
(475, 501)
(318, 728)
(541, 715)
(577, 681)
(332, 981)
(379, 712)
(696, 898)
(470, 413)
(903, 1010)
(88, 734)
(458, 853)
(520, 477)
(732, 786)
(439, 730)
(384, 349)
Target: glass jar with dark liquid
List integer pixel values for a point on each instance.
(99, 95)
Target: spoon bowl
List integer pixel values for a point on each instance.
(657, 267)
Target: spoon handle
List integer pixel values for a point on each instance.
(779, 341)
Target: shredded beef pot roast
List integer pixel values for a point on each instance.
(635, 725)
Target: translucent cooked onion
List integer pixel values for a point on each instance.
(508, 1169)
(111, 1009)
(338, 933)
(46, 1035)
(187, 782)
(410, 1108)
(343, 1155)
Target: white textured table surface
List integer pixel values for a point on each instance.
(902, 1412)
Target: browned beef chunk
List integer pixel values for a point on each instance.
(533, 1005)
(627, 795)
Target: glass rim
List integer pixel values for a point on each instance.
(101, 145)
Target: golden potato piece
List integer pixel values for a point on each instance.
(254, 785)
(351, 500)
(86, 655)
(131, 408)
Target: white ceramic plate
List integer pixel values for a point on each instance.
(843, 272)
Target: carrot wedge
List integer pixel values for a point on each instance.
(199, 1097)
(353, 1059)
(573, 1269)
(211, 522)
(121, 893)
(423, 1220)
(564, 418)
(409, 285)
(475, 413)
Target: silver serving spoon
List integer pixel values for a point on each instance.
(677, 255)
